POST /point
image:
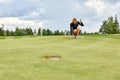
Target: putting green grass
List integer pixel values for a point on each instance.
(92, 57)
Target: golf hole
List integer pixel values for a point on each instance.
(55, 58)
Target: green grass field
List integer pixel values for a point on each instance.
(92, 57)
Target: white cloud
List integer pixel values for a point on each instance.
(12, 22)
(4, 1)
(96, 5)
(116, 7)
(76, 4)
(34, 15)
(102, 7)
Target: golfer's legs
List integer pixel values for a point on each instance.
(78, 30)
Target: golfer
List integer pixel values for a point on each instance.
(74, 27)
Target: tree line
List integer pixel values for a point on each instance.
(109, 26)
(28, 31)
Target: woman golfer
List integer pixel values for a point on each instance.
(74, 27)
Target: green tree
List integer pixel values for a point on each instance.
(61, 33)
(20, 32)
(116, 24)
(1, 32)
(29, 31)
(56, 32)
(12, 33)
(44, 32)
(8, 33)
(110, 26)
(39, 31)
(49, 32)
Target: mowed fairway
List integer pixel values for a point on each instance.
(89, 58)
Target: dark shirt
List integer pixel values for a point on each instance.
(74, 26)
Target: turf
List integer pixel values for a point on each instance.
(92, 57)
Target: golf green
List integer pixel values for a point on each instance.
(92, 57)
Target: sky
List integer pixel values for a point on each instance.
(56, 14)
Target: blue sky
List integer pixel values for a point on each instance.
(56, 14)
